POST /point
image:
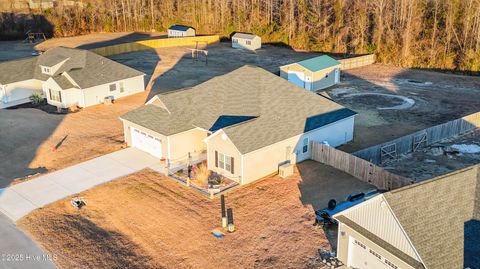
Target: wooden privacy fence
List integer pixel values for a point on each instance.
(359, 168)
(357, 61)
(390, 150)
(155, 44)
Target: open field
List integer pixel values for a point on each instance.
(148, 221)
(437, 97)
(440, 158)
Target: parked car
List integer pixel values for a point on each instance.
(324, 216)
(37, 53)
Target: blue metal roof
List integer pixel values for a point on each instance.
(318, 121)
(179, 28)
(319, 63)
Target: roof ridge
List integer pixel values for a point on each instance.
(418, 184)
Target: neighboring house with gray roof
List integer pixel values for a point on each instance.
(246, 41)
(67, 77)
(434, 224)
(247, 122)
(313, 74)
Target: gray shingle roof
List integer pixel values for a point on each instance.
(275, 109)
(17, 70)
(63, 82)
(86, 68)
(244, 36)
(434, 214)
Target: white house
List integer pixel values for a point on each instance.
(180, 31)
(67, 77)
(245, 124)
(313, 74)
(246, 41)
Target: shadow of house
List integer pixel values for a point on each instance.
(120, 249)
(128, 38)
(15, 26)
(22, 132)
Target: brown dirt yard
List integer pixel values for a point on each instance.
(438, 97)
(146, 220)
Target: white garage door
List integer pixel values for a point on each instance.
(147, 143)
(297, 78)
(361, 256)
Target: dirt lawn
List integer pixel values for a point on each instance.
(440, 158)
(148, 221)
(437, 98)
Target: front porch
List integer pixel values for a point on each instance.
(193, 171)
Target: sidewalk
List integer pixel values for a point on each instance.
(20, 199)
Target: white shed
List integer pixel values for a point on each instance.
(246, 41)
(180, 31)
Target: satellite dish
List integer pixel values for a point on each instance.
(332, 204)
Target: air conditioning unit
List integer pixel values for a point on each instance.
(285, 170)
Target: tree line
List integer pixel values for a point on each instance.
(443, 34)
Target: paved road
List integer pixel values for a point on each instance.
(17, 251)
(20, 199)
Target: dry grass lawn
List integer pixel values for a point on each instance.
(148, 221)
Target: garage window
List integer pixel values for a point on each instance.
(305, 145)
(248, 42)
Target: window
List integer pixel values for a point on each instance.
(55, 95)
(235, 40)
(225, 162)
(113, 87)
(122, 87)
(46, 70)
(248, 42)
(305, 145)
(375, 254)
(391, 264)
(360, 244)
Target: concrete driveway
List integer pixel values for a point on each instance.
(17, 251)
(20, 199)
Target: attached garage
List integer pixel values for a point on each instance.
(313, 74)
(360, 256)
(146, 142)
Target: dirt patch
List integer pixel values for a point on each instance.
(440, 158)
(387, 101)
(438, 98)
(148, 221)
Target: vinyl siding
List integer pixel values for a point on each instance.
(319, 79)
(241, 43)
(345, 232)
(96, 95)
(381, 222)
